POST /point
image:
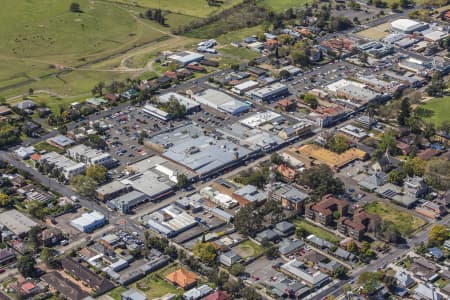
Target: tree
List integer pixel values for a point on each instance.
(390, 232)
(396, 177)
(237, 269)
(5, 200)
(301, 233)
(271, 252)
(284, 74)
(414, 166)
(320, 179)
(337, 143)
(370, 281)
(339, 272)
(62, 129)
(249, 293)
(387, 144)
(405, 112)
(394, 6)
(25, 265)
(438, 235)
(311, 100)
(182, 181)
(429, 131)
(436, 174)
(437, 86)
(47, 255)
(352, 247)
(84, 185)
(95, 141)
(206, 252)
(97, 173)
(32, 239)
(276, 159)
(75, 7)
(247, 220)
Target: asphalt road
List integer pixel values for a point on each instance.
(337, 289)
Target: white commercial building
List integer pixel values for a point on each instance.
(220, 101)
(190, 104)
(66, 166)
(88, 222)
(408, 26)
(270, 92)
(186, 57)
(245, 86)
(90, 156)
(170, 221)
(259, 118)
(156, 112)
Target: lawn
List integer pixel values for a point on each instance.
(115, 293)
(41, 37)
(317, 231)
(249, 249)
(196, 8)
(155, 285)
(44, 146)
(378, 32)
(281, 5)
(439, 110)
(238, 35)
(403, 221)
(239, 53)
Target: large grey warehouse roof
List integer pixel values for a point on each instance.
(17, 222)
(205, 154)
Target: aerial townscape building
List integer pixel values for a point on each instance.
(219, 150)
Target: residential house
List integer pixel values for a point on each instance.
(133, 294)
(300, 271)
(229, 258)
(51, 236)
(353, 229)
(286, 104)
(284, 229)
(288, 246)
(322, 211)
(94, 281)
(183, 278)
(64, 286)
(427, 291)
(6, 257)
(29, 288)
(267, 235)
(290, 197)
(287, 174)
(218, 295)
(197, 293)
(404, 280)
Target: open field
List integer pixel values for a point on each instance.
(317, 231)
(377, 33)
(440, 110)
(249, 249)
(281, 5)
(238, 35)
(196, 8)
(155, 285)
(404, 222)
(116, 293)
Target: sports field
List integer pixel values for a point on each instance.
(440, 108)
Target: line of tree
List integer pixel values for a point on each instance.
(155, 15)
